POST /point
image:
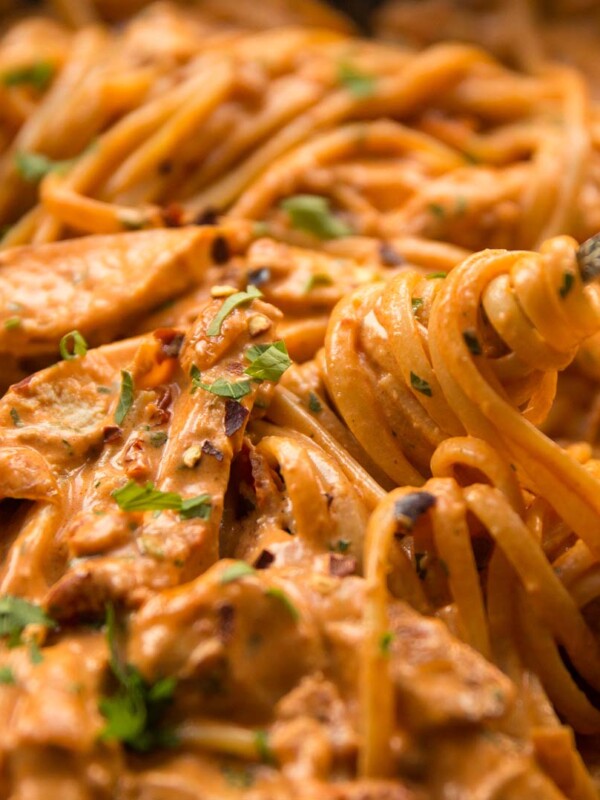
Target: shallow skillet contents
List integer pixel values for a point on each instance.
(299, 412)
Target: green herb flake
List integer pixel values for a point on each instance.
(17, 421)
(133, 714)
(72, 345)
(358, 83)
(312, 213)
(417, 303)
(16, 614)
(32, 167)
(230, 303)
(567, 284)
(472, 342)
(318, 279)
(341, 546)
(199, 507)
(103, 389)
(133, 497)
(263, 748)
(385, 643)
(12, 322)
(314, 404)
(157, 438)
(268, 362)
(35, 654)
(133, 221)
(281, 596)
(235, 571)
(220, 387)
(125, 397)
(433, 275)
(7, 676)
(437, 210)
(420, 385)
(461, 205)
(37, 75)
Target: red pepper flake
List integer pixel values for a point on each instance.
(173, 215)
(159, 410)
(170, 340)
(112, 433)
(265, 559)
(210, 450)
(235, 416)
(225, 621)
(220, 250)
(341, 566)
(22, 386)
(389, 256)
(209, 216)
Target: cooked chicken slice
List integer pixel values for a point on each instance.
(98, 285)
(138, 420)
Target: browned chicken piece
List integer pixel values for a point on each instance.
(98, 285)
(304, 284)
(280, 647)
(132, 414)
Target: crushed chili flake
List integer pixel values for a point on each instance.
(225, 621)
(341, 566)
(171, 341)
(220, 250)
(209, 216)
(112, 433)
(22, 386)
(210, 450)
(409, 508)
(389, 256)
(264, 560)
(173, 215)
(235, 416)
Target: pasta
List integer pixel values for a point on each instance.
(299, 363)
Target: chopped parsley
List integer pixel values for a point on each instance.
(318, 279)
(341, 546)
(125, 397)
(385, 643)
(358, 83)
(72, 345)
(417, 303)
(567, 284)
(433, 275)
(285, 601)
(472, 342)
(16, 614)
(17, 421)
(32, 167)
(312, 213)
(133, 221)
(236, 571)
(220, 387)
(157, 438)
(420, 385)
(268, 362)
(134, 712)
(35, 654)
(37, 75)
(232, 302)
(12, 322)
(314, 403)
(7, 676)
(199, 507)
(133, 497)
(437, 209)
(263, 748)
